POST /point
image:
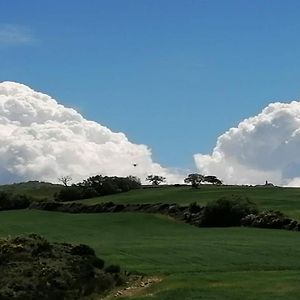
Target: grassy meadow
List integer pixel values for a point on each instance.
(286, 200)
(193, 263)
(37, 190)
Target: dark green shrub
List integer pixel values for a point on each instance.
(41, 248)
(13, 201)
(109, 187)
(70, 193)
(227, 211)
(126, 184)
(20, 201)
(194, 208)
(98, 263)
(112, 269)
(58, 276)
(82, 250)
(98, 186)
(105, 185)
(5, 200)
(89, 193)
(105, 281)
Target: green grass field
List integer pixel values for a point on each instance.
(194, 263)
(286, 200)
(227, 263)
(36, 189)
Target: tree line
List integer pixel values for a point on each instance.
(99, 185)
(95, 186)
(194, 179)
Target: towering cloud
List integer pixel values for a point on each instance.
(264, 147)
(42, 140)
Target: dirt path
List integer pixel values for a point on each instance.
(136, 286)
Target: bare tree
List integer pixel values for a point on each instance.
(65, 180)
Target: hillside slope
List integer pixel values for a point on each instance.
(286, 200)
(207, 263)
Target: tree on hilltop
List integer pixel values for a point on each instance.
(155, 179)
(195, 179)
(213, 180)
(65, 180)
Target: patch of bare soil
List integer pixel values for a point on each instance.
(137, 285)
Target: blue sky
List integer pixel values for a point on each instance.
(173, 75)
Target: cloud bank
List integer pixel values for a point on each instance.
(264, 147)
(42, 140)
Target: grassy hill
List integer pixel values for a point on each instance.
(194, 263)
(286, 200)
(227, 263)
(36, 189)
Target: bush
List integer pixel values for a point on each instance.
(109, 187)
(227, 212)
(33, 268)
(98, 263)
(75, 192)
(194, 208)
(89, 193)
(69, 194)
(270, 219)
(98, 186)
(21, 201)
(105, 185)
(82, 250)
(112, 269)
(13, 201)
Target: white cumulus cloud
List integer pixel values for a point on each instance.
(264, 147)
(42, 140)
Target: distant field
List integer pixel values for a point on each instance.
(286, 200)
(38, 190)
(222, 264)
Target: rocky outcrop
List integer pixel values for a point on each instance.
(270, 219)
